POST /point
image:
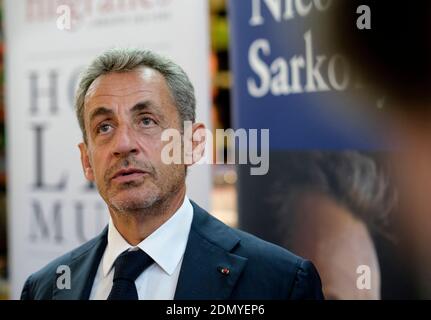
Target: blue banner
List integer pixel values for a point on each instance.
(287, 78)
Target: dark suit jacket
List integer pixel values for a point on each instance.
(257, 269)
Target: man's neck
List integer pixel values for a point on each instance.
(136, 226)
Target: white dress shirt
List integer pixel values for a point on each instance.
(165, 246)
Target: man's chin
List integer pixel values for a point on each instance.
(133, 203)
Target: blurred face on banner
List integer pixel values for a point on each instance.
(341, 247)
(125, 115)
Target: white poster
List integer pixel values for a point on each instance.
(51, 208)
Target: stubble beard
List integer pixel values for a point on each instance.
(150, 203)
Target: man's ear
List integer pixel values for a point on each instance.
(198, 141)
(85, 161)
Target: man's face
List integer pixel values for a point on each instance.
(124, 115)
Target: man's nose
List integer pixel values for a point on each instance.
(124, 142)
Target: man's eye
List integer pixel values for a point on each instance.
(104, 128)
(148, 122)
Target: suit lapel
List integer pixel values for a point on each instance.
(83, 269)
(208, 251)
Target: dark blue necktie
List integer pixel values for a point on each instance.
(128, 266)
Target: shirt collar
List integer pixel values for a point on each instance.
(165, 246)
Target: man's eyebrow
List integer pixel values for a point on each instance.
(142, 106)
(100, 111)
(147, 106)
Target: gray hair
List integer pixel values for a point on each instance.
(354, 179)
(129, 59)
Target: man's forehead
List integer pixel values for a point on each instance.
(124, 84)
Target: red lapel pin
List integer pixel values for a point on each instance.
(224, 270)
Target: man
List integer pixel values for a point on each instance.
(158, 244)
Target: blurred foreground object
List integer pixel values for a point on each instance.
(394, 59)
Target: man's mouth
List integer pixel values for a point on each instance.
(125, 175)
